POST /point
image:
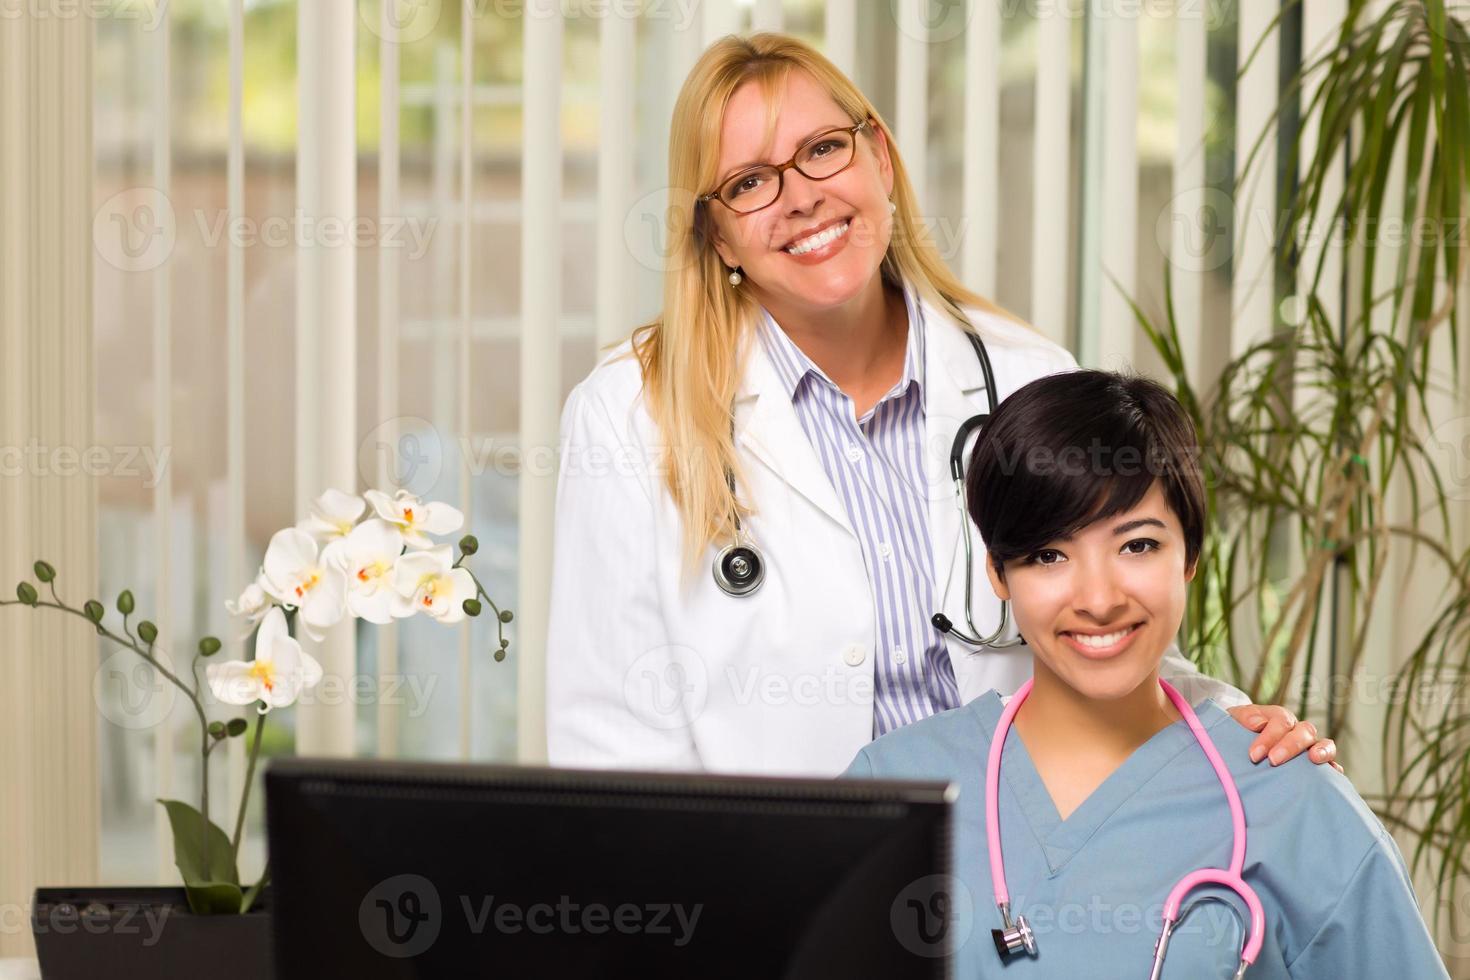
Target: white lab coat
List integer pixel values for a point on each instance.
(647, 672)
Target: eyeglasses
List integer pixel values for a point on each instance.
(825, 155)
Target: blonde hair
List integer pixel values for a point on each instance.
(692, 354)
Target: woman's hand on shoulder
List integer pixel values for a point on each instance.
(1283, 737)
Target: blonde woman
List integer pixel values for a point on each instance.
(756, 522)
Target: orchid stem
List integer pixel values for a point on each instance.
(480, 592)
(147, 655)
(168, 675)
(245, 791)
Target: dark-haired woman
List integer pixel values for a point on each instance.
(1088, 797)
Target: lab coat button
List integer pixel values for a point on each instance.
(899, 657)
(884, 550)
(855, 655)
(853, 452)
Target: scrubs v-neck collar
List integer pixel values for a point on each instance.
(1061, 839)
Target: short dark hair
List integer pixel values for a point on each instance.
(1077, 447)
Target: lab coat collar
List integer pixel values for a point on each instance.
(952, 349)
(767, 426)
(953, 389)
(791, 364)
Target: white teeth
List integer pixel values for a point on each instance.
(1106, 640)
(818, 240)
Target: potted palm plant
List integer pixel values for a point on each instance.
(328, 567)
(1310, 432)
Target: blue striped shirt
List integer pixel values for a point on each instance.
(876, 465)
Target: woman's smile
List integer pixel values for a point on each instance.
(824, 243)
(1101, 646)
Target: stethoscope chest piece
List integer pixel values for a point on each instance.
(739, 570)
(1014, 940)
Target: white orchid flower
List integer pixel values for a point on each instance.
(428, 582)
(295, 575)
(276, 677)
(253, 604)
(332, 516)
(414, 517)
(367, 558)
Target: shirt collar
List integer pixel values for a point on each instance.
(793, 366)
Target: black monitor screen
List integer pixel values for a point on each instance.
(384, 869)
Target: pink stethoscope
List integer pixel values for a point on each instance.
(1012, 939)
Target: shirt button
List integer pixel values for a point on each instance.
(853, 452)
(855, 655)
(899, 657)
(884, 550)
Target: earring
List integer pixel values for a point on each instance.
(735, 277)
(892, 206)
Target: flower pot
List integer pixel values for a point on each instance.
(82, 933)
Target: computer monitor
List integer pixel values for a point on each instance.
(388, 869)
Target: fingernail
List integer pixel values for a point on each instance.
(1257, 753)
(1276, 756)
(1256, 720)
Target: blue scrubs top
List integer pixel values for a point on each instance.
(1339, 903)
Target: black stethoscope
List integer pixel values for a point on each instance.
(740, 568)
